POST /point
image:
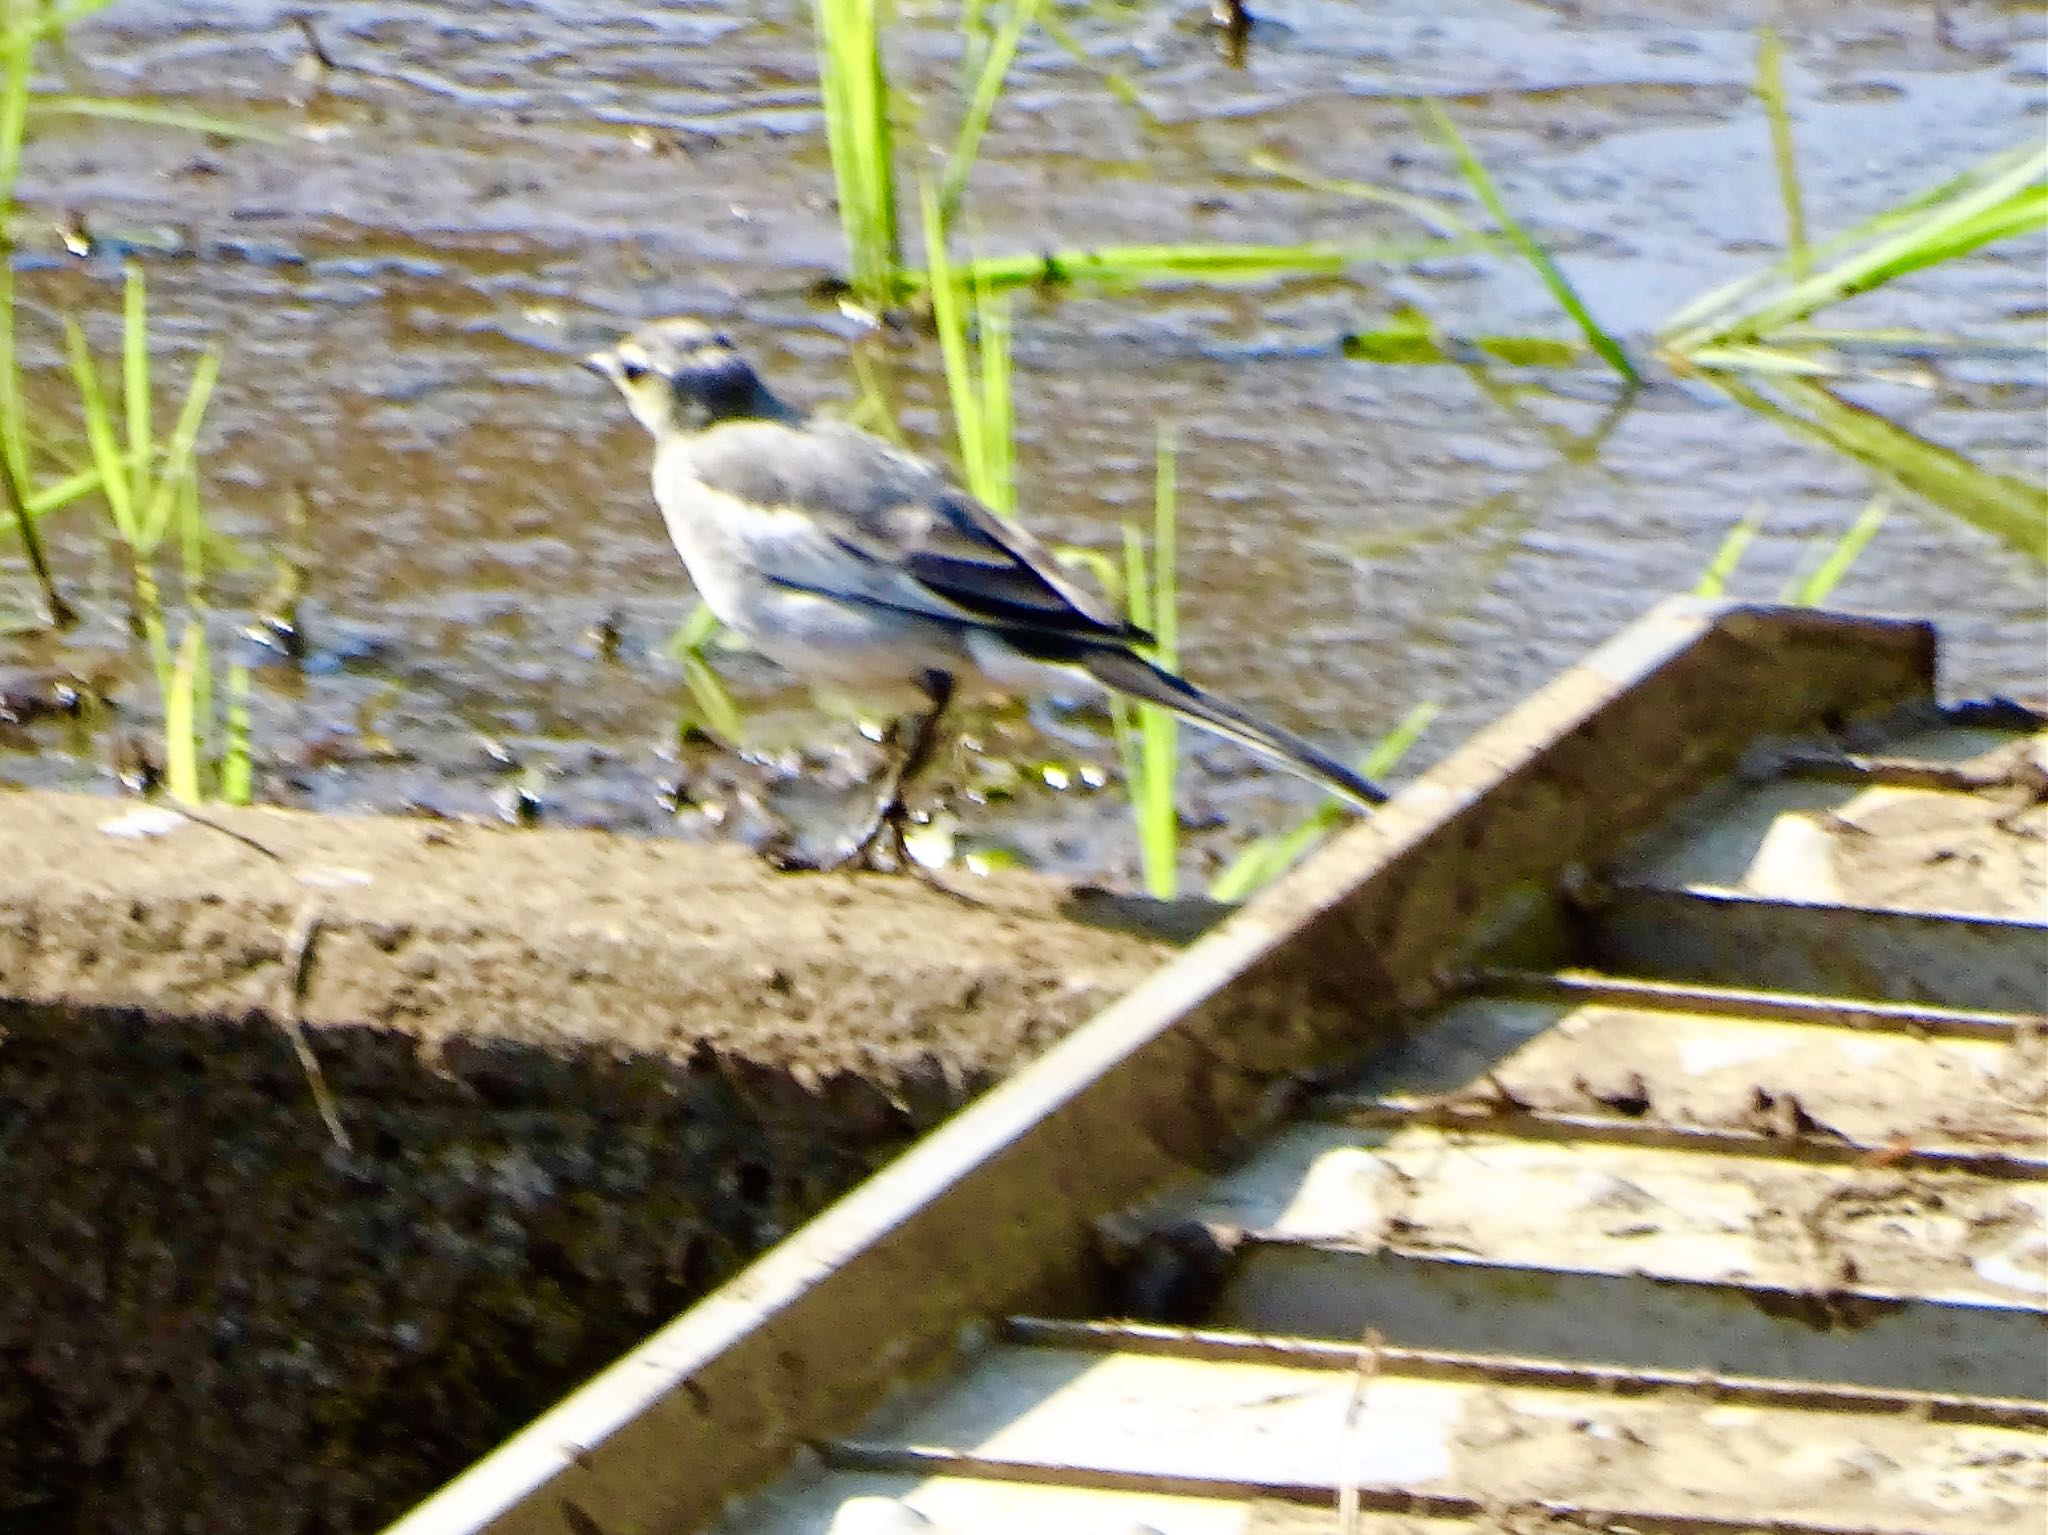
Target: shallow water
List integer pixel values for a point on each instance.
(474, 192)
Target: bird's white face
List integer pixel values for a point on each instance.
(678, 375)
(648, 392)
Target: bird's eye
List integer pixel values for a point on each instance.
(632, 372)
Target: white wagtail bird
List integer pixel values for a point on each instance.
(865, 572)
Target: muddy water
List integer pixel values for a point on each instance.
(473, 191)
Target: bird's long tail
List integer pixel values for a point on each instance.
(1124, 672)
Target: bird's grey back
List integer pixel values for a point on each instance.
(872, 521)
(824, 468)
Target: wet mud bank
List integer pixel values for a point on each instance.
(577, 1082)
(462, 199)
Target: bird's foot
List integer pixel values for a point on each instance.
(780, 852)
(883, 847)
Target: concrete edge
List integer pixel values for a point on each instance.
(559, 939)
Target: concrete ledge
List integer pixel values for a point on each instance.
(583, 1081)
(546, 938)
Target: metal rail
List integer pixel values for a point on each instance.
(1492, 1117)
(1917, 1020)
(1707, 1385)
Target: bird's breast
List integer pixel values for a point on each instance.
(724, 562)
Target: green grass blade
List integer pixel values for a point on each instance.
(688, 646)
(981, 105)
(950, 320)
(192, 538)
(855, 90)
(1753, 358)
(49, 21)
(2004, 203)
(1123, 727)
(1158, 816)
(14, 93)
(1818, 587)
(149, 611)
(1156, 790)
(1107, 572)
(1529, 351)
(55, 610)
(1148, 741)
(1408, 337)
(1133, 582)
(202, 706)
(14, 82)
(998, 409)
(879, 154)
(181, 717)
(720, 710)
(967, 386)
(100, 437)
(179, 453)
(15, 70)
(237, 767)
(1715, 312)
(135, 380)
(827, 19)
(873, 410)
(1713, 581)
(1551, 275)
(1119, 86)
(61, 493)
(1132, 265)
(13, 431)
(1137, 580)
(1994, 213)
(2022, 211)
(1770, 89)
(1270, 857)
(1437, 216)
(151, 115)
(2009, 509)
(1165, 618)
(694, 634)
(21, 505)
(1996, 200)
(1405, 338)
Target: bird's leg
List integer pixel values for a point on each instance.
(891, 813)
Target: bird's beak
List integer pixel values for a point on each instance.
(604, 363)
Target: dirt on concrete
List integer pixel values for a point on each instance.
(580, 1081)
(1976, 845)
